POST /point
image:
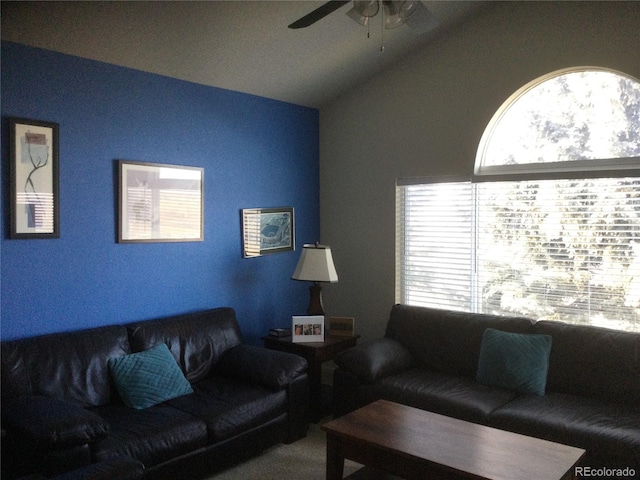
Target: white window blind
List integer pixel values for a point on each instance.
(549, 249)
(435, 230)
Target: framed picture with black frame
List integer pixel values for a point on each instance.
(267, 230)
(34, 179)
(159, 203)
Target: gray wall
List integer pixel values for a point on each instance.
(426, 117)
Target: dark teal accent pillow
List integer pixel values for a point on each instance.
(147, 378)
(515, 361)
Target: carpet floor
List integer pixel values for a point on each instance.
(301, 460)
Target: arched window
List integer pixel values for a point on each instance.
(571, 120)
(549, 225)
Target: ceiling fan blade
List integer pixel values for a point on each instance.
(318, 14)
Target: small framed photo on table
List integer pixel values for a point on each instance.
(307, 328)
(341, 326)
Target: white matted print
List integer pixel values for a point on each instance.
(307, 328)
(35, 204)
(160, 203)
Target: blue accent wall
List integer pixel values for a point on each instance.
(255, 152)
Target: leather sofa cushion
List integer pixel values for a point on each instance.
(51, 422)
(606, 430)
(71, 366)
(442, 393)
(196, 340)
(151, 436)
(593, 362)
(375, 359)
(229, 407)
(444, 340)
(257, 365)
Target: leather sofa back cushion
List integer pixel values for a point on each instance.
(71, 366)
(593, 362)
(196, 340)
(444, 340)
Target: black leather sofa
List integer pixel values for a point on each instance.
(429, 359)
(121, 469)
(62, 412)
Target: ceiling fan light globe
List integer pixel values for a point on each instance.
(367, 8)
(363, 10)
(397, 13)
(409, 7)
(392, 22)
(357, 17)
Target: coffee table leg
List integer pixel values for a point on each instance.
(335, 460)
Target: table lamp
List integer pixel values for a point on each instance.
(315, 265)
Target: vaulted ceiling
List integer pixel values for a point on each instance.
(239, 45)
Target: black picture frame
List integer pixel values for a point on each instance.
(267, 230)
(34, 179)
(160, 202)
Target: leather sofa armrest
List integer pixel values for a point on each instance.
(375, 359)
(50, 422)
(269, 368)
(298, 410)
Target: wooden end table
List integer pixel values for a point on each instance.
(416, 444)
(316, 353)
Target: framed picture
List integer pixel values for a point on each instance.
(307, 328)
(159, 203)
(267, 230)
(341, 326)
(35, 202)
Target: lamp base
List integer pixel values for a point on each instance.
(315, 300)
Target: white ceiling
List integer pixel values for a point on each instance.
(238, 45)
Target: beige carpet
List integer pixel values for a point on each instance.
(302, 460)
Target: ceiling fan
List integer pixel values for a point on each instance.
(395, 13)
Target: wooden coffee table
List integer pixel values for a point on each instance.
(415, 444)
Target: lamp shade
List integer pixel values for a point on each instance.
(316, 265)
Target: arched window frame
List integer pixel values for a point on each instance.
(606, 167)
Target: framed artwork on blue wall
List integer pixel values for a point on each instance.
(159, 203)
(267, 230)
(34, 179)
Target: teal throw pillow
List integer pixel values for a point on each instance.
(515, 361)
(147, 378)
